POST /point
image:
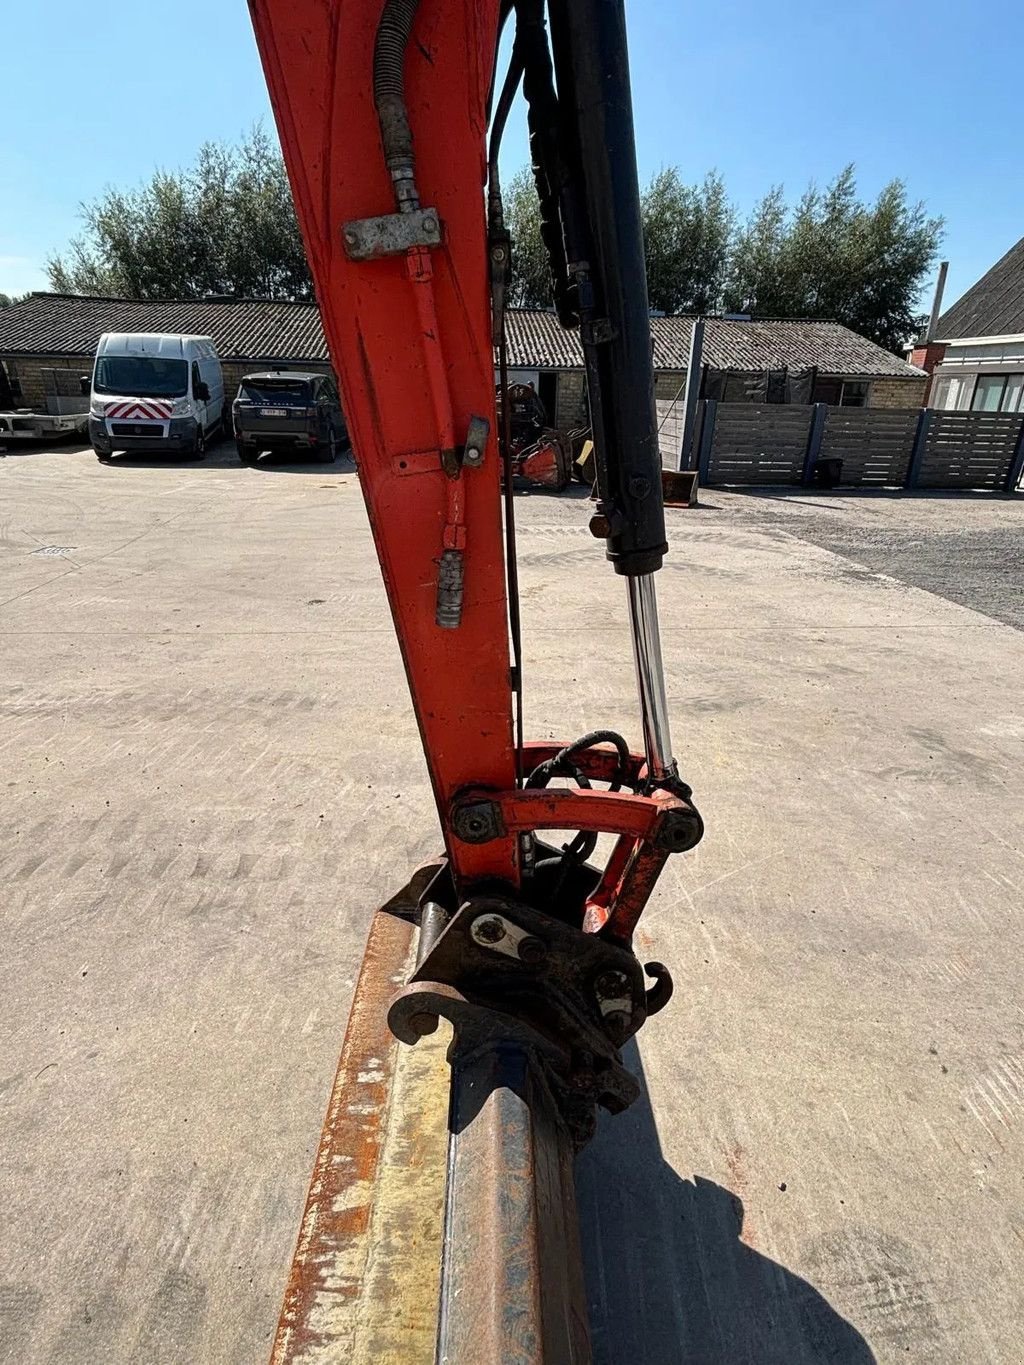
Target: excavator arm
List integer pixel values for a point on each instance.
(390, 115)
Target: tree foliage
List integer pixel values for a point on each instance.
(530, 284)
(225, 225)
(688, 230)
(833, 256)
(829, 256)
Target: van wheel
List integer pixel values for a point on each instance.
(198, 451)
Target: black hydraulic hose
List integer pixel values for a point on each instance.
(579, 849)
(550, 170)
(495, 208)
(389, 50)
(562, 764)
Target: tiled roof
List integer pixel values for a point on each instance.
(258, 330)
(535, 340)
(242, 329)
(992, 307)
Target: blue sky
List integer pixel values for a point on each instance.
(764, 93)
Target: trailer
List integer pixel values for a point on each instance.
(23, 425)
(63, 416)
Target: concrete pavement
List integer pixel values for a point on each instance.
(212, 775)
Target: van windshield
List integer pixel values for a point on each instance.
(283, 392)
(141, 376)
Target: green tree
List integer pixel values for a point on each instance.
(688, 231)
(225, 225)
(530, 282)
(833, 256)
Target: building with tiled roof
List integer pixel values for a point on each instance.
(48, 340)
(977, 352)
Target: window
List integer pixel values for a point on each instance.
(281, 392)
(997, 393)
(854, 393)
(951, 393)
(141, 376)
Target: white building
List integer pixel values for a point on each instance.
(979, 343)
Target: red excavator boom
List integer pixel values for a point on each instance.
(384, 108)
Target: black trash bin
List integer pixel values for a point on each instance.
(828, 473)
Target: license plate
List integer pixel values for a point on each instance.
(273, 412)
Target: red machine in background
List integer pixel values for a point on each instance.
(384, 107)
(541, 455)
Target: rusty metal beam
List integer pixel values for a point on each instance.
(512, 1279)
(364, 1283)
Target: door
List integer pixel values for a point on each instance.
(334, 403)
(202, 405)
(547, 392)
(213, 376)
(323, 412)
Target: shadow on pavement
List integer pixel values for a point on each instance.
(669, 1282)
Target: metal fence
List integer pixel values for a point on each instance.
(791, 444)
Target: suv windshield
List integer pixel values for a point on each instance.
(141, 376)
(280, 392)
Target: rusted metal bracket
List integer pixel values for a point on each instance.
(651, 824)
(502, 970)
(392, 234)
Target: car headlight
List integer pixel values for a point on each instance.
(181, 407)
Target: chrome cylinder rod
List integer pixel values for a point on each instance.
(650, 676)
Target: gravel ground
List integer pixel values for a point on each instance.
(967, 548)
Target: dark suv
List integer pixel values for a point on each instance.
(287, 411)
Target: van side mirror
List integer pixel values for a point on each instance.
(202, 392)
(84, 385)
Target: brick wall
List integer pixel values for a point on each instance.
(908, 392)
(571, 407)
(927, 357)
(670, 384)
(26, 375)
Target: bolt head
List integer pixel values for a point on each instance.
(532, 951)
(489, 929)
(612, 985)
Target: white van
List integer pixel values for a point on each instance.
(155, 391)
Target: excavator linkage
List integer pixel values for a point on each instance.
(515, 953)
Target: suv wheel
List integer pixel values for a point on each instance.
(329, 452)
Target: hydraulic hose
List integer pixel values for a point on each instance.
(392, 40)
